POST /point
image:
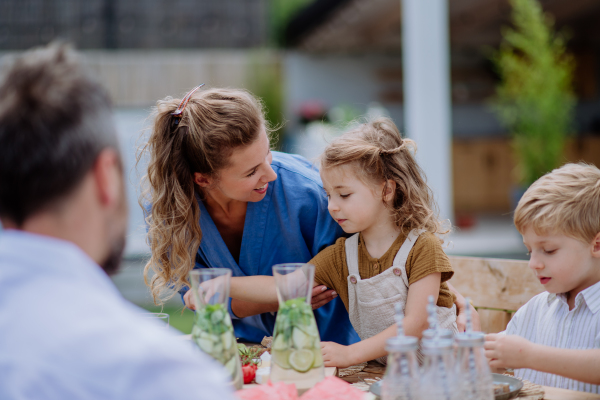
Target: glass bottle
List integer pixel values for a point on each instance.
(476, 377)
(401, 380)
(296, 349)
(476, 381)
(434, 328)
(439, 378)
(213, 330)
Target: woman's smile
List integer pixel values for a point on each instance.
(262, 189)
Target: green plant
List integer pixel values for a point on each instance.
(266, 83)
(280, 14)
(534, 99)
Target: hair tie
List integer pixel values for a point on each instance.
(392, 151)
(177, 114)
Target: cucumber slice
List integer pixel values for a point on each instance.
(279, 343)
(227, 339)
(205, 345)
(196, 331)
(301, 340)
(217, 317)
(302, 360)
(311, 329)
(231, 366)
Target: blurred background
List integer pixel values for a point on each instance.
(449, 73)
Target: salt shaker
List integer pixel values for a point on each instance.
(476, 381)
(401, 380)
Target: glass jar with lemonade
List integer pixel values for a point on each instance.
(296, 349)
(213, 330)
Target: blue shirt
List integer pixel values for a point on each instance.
(67, 333)
(291, 224)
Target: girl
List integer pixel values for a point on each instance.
(377, 192)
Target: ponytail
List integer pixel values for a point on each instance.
(211, 126)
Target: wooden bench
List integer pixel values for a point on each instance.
(497, 287)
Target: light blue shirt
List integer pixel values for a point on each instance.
(290, 225)
(66, 333)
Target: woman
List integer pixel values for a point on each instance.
(221, 198)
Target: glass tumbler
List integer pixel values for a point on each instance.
(213, 331)
(296, 348)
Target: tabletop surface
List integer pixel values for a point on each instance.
(375, 370)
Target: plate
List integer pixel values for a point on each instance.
(514, 385)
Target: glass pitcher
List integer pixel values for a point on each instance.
(213, 331)
(296, 349)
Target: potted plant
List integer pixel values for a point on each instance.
(534, 98)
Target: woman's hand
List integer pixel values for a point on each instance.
(321, 296)
(461, 311)
(189, 300)
(335, 355)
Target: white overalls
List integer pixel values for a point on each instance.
(371, 301)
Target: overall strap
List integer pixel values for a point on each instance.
(352, 255)
(399, 264)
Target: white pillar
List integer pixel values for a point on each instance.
(425, 53)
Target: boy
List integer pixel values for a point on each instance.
(554, 339)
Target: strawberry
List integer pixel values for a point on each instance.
(249, 372)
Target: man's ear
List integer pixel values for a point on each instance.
(202, 180)
(109, 176)
(596, 246)
(389, 190)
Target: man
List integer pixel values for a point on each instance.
(65, 331)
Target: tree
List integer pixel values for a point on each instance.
(534, 99)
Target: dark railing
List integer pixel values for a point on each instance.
(131, 24)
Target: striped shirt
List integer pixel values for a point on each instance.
(546, 320)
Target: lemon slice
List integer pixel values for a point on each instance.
(318, 358)
(301, 360)
(281, 357)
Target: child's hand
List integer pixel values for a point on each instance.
(335, 355)
(189, 300)
(507, 351)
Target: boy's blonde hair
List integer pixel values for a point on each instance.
(566, 200)
(379, 153)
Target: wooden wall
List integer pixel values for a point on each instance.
(483, 171)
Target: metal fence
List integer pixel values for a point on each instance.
(134, 24)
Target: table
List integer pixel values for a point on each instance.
(376, 370)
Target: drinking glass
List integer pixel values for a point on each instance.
(296, 348)
(161, 318)
(213, 331)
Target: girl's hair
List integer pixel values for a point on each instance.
(378, 153)
(213, 123)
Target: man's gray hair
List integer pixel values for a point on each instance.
(54, 121)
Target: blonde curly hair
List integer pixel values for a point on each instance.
(378, 153)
